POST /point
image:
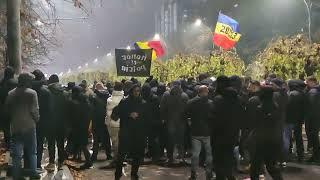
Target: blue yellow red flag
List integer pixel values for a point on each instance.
(227, 32)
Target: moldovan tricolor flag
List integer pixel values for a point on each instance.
(158, 50)
(227, 32)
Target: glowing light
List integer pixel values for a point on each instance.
(39, 23)
(79, 67)
(156, 37)
(128, 47)
(86, 64)
(69, 71)
(109, 54)
(95, 60)
(198, 22)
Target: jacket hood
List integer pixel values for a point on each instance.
(117, 93)
(230, 93)
(56, 88)
(176, 91)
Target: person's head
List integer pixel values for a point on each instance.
(311, 82)
(99, 86)
(254, 86)
(76, 91)
(236, 83)
(203, 91)
(84, 84)
(38, 75)
(222, 82)
(203, 76)
(71, 85)
(53, 79)
(25, 80)
(277, 83)
(266, 94)
(135, 91)
(146, 90)
(118, 86)
(154, 83)
(161, 89)
(8, 73)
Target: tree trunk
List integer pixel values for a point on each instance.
(14, 34)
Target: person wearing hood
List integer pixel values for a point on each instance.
(163, 130)
(57, 123)
(295, 115)
(199, 111)
(280, 96)
(7, 84)
(45, 105)
(312, 117)
(267, 136)
(99, 128)
(133, 128)
(153, 120)
(113, 125)
(79, 116)
(226, 111)
(172, 108)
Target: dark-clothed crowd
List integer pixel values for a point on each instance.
(215, 122)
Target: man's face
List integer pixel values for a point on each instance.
(310, 84)
(99, 87)
(136, 92)
(203, 91)
(253, 88)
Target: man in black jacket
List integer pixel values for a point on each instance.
(313, 117)
(99, 128)
(153, 120)
(132, 113)
(57, 123)
(199, 110)
(7, 84)
(295, 114)
(45, 105)
(227, 109)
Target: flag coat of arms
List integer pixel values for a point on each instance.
(227, 32)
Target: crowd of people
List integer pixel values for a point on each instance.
(213, 121)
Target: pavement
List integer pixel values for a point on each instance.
(293, 171)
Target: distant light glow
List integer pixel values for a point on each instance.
(95, 60)
(86, 64)
(128, 47)
(198, 22)
(79, 67)
(109, 54)
(185, 15)
(69, 71)
(156, 37)
(236, 5)
(39, 23)
(98, 47)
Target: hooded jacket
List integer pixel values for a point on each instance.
(296, 102)
(199, 111)
(59, 105)
(312, 106)
(227, 109)
(45, 105)
(112, 102)
(172, 106)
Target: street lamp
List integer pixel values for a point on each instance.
(95, 60)
(86, 64)
(79, 67)
(128, 47)
(198, 22)
(156, 37)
